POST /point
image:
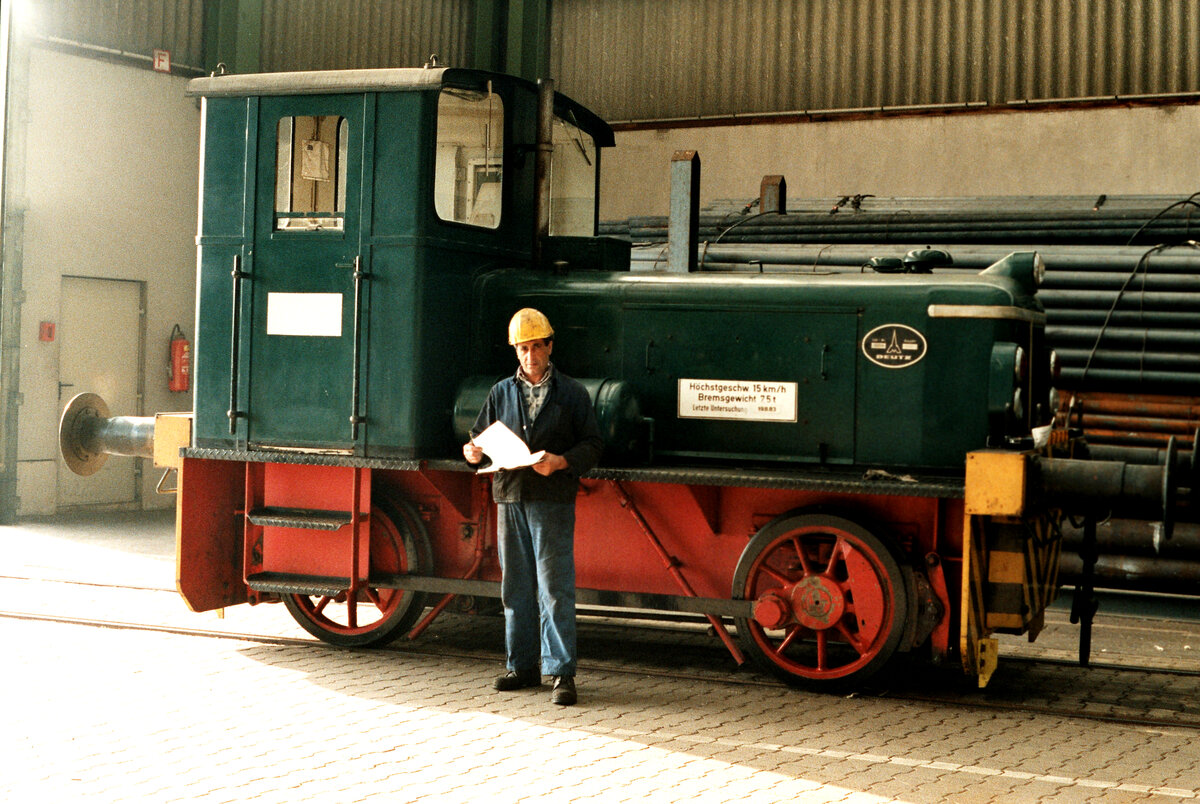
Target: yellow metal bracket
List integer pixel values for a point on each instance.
(996, 483)
(1010, 558)
(987, 657)
(172, 432)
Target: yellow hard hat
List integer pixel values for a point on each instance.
(528, 325)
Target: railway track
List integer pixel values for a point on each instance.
(1117, 692)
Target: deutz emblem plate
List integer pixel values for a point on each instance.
(894, 346)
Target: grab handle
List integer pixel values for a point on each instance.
(359, 278)
(234, 342)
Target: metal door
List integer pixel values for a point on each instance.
(306, 273)
(100, 342)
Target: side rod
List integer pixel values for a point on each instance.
(672, 565)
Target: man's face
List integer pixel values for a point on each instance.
(534, 357)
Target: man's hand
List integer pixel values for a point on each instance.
(549, 464)
(472, 453)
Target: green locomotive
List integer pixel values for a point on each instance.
(786, 452)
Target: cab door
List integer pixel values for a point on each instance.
(307, 274)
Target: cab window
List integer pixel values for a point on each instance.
(572, 181)
(468, 172)
(310, 173)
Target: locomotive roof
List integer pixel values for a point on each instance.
(392, 79)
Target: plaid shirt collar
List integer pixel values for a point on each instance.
(535, 394)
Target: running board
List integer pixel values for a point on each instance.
(308, 518)
(281, 583)
(721, 607)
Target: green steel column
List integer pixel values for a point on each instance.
(528, 48)
(233, 35)
(513, 36)
(490, 24)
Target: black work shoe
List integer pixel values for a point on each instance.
(518, 679)
(564, 691)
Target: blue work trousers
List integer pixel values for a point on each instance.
(537, 558)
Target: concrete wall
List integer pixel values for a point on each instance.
(1081, 151)
(110, 177)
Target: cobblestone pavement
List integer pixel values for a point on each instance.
(95, 714)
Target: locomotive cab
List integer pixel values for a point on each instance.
(342, 215)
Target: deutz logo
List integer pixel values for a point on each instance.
(894, 346)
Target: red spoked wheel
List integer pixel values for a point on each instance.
(829, 600)
(377, 615)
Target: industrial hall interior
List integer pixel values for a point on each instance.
(580, 400)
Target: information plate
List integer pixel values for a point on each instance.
(312, 314)
(743, 400)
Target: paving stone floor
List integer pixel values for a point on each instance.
(103, 714)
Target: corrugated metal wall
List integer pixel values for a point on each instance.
(656, 59)
(296, 34)
(662, 59)
(336, 34)
(129, 27)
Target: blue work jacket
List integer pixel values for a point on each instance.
(566, 425)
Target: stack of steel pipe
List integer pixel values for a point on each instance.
(1128, 559)
(1133, 427)
(1096, 220)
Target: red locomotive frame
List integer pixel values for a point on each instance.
(815, 573)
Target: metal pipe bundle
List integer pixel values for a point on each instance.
(1116, 220)
(1135, 573)
(1134, 537)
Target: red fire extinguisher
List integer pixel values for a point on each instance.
(179, 367)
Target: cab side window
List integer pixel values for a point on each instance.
(468, 172)
(572, 181)
(310, 173)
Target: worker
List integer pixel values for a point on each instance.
(536, 507)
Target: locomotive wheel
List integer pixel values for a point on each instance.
(377, 615)
(830, 600)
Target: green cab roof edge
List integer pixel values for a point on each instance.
(390, 79)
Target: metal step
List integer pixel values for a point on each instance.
(308, 518)
(282, 583)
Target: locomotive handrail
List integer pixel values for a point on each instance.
(234, 342)
(355, 419)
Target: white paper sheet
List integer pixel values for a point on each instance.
(505, 448)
